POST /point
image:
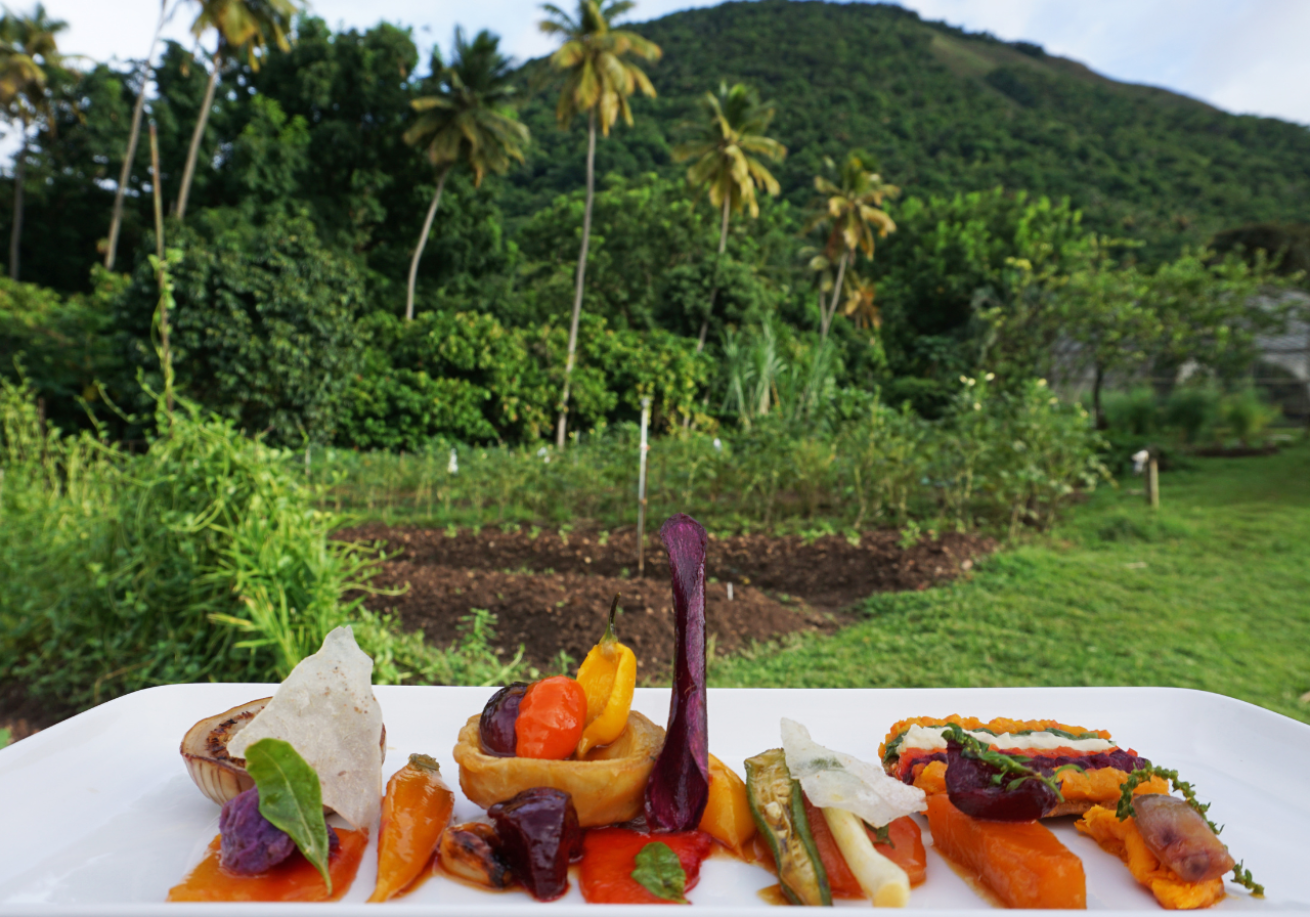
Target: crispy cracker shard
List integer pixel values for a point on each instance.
(326, 710)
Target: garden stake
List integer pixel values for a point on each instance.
(641, 492)
(1153, 482)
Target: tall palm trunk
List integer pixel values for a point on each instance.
(714, 290)
(20, 175)
(562, 427)
(825, 317)
(116, 221)
(422, 243)
(201, 121)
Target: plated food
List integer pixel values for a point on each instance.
(576, 789)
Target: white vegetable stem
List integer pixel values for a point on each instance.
(883, 881)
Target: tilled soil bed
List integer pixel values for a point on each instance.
(549, 590)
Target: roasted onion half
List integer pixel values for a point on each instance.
(204, 749)
(608, 786)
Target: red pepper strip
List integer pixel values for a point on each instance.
(905, 850)
(610, 854)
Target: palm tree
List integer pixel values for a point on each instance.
(28, 49)
(468, 118)
(860, 305)
(598, 80)
(851, 210)
(724, 140)
(116, 221)
(241, 25)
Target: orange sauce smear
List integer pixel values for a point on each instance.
(294, 879)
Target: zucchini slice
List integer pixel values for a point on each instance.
(779, 810)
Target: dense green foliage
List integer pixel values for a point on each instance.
(204, 558)
(1206, 593)
(825, 460)
(944, 111)
(307, 202)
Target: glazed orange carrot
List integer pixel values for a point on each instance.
(1021, 862)
(906, 848)
(294, 879)
(415, 811)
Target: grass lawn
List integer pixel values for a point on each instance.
(1211, 592)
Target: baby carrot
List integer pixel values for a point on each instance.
(415, 810)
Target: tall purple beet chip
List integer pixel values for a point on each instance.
(680, 782)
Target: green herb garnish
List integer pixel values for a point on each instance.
(883, 834)
(291, 798)
(1006, 764)
(660, 872)
(1241, 876)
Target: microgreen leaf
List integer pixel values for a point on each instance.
(291, 798)
(660, 872)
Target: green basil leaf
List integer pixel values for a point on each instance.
(291, 797)
(660, 872)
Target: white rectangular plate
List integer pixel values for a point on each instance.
(98, 815)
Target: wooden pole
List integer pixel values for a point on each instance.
(1153, 482)
(641, 491)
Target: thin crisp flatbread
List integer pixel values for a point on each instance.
(835, 780)
(327, 712)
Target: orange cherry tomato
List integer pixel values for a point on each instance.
(552, 716)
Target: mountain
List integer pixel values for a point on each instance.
(943, 111)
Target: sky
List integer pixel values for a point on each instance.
(1244, 56)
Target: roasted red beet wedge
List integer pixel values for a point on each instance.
(539, 835)
(679, 785)
(1179, 837)
(970, 787)
(499, 717)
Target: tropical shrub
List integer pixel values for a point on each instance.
(264, 329)
(205, 558)
(466, 377)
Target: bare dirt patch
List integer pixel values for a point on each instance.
(549, 590)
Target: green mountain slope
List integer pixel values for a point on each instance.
(944, 111)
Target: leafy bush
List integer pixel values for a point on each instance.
(1246, 415)
(466, 377)
(204, 558)
(1136, 413)
(264, 329)
(1194, 410)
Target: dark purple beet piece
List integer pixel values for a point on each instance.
(679, 784)
(971, 790)
(496, 728)
(1047, 764)
(539, 835)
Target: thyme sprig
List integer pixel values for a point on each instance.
(1006, 764)
(1241, 875)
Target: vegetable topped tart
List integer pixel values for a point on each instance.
(1091, 766)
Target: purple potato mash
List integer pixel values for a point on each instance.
(249, 844)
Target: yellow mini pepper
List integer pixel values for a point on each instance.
(608, 677)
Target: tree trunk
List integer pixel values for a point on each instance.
(562, 428)
(825, 317)
(117, 220)
(16, 233)
(422, 243)
(190, 172)
(714, 290)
